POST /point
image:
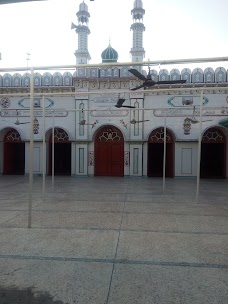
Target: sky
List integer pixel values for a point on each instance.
(175, 29)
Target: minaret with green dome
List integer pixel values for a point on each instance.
(82, 54)
(137, 50)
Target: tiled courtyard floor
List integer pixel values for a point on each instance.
(106, 240)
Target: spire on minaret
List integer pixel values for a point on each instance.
(137, 50)
(82, 54)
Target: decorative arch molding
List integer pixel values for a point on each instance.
(7, 130)
(157, 136)
(102, 73)
(60, 135)
(67, 79)
(209, 75)
(163, 75)
(26, 80)
(220, 75)
(116, 72)
(7, 80)
(214, 135)
(12, 136)
(47, 79)
(154, 75)
(109, 133)
(175, 74)
(197, 75)
(16, 82)
(108, 126)
(37, 79)
(186, 75)
(57, 79)
(124, 72)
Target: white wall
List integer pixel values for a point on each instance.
(186, 158)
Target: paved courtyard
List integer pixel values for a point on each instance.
(106, 240)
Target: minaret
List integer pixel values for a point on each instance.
(137, 50)
(82, 54)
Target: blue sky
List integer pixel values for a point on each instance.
(174, 29)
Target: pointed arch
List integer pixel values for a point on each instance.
(109, 152)
(156, 152)
(213, 154)
(62, 152)
(13, 153)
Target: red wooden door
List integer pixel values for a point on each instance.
(109, 151)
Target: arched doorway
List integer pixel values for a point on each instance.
(62, 153)
(13, 154)
(109, 152)
(213, 154)
(156, 153)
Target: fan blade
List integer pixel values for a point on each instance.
(143, 120)
(120, 102)
(150, 83)
(139, 87)
(128, 107)
(171, 81)
(137, 74)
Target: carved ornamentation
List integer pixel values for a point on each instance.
(5, 102)
(126, 159)
(91, 158)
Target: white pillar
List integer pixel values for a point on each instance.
(31, 148)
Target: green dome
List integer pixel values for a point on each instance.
(109, 55)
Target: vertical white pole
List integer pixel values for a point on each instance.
(164, 155)
(53, 152)
(31, 148)
(199, 147)
(44, 152)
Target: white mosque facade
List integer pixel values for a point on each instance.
(99, 139)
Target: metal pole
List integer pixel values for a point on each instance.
(53, 152)
(143, 63)
(199, 147)
(31, 148)
(164, 155)
(44, 154)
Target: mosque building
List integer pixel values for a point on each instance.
(94, 137)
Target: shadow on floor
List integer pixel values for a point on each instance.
(12, 295)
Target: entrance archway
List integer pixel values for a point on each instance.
(109, 152)
(62, 153)
(13, 154)
(213, 154)
(156, 152)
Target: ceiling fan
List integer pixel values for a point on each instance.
(84, 123)
(193, 119)
(120, 102)
(148, 82)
